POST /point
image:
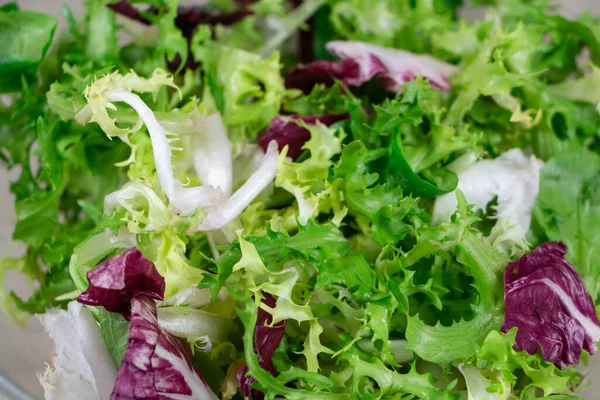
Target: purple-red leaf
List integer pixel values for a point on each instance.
(306, 76)
(156, 365)
(117, 280)
(187, 19)
(361, 62)
(285, 131)
(266, 340)
(547, 301)
(125, 8)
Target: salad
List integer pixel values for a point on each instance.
(317, 199)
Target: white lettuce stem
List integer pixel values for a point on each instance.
(212, 154)
(220, 212)
(160, 143)
(223, 214)
(185, 200)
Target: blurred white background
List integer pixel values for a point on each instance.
(24, 352)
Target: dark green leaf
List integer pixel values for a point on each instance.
(401, 172)
(115, 331)
(323, 245)
(12, 6)
(323, 32)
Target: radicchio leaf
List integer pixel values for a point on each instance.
(285, 131)
(305, 77)
(361, 62)
(125, 8)
(156, 365)
(117, 280)
(547, 301)
(266, 340)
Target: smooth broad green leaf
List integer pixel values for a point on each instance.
(25, 38)
(115, 331)
(568, 209)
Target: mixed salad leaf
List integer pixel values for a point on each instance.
(562, 306)
(342, 199)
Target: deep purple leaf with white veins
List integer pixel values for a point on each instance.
(361, 62)
(547, 301)
(156, 365)
(392, 66)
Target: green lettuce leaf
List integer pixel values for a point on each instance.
(407, 25)
(31, 270)
(306, 179)
(581, 89)
(265, 381)
(459, 340)
(568, 209)
(115, 331)
(389, 210)
(320, 101)
(390, 382)
(51, 219)
(247, 89)
(322, 245)
(25, 38)
(503, 371)
(102, 42)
